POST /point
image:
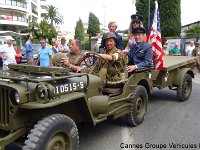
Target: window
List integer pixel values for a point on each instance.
(8, 2)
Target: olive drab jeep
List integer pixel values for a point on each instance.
(44, 104)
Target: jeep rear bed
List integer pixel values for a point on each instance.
(173, 62)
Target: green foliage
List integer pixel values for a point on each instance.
(170, 15)
(45, 31)
(85, 44)
(124, 42)
(79, 30)
(93, 25)
(52, 15)
(193, 31)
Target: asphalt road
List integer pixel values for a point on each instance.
(167, 122)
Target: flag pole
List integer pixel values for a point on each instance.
(149, 11)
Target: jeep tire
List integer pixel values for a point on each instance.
(56, 131)
(138, 109)
(184, 90)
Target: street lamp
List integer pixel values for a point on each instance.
(104, 17)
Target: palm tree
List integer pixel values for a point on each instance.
(193, 31)
(53, 15)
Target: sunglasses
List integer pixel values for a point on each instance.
(137, 22)
(42, 43)
(53, 42)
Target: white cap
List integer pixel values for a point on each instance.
(9, 38)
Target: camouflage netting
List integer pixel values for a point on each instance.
(57, 59)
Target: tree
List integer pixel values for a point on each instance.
(53, 15)
(170, 15)
(93, 25)
(45, 31)
(79, 30)
(193, 31)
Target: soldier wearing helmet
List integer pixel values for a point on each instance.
(196, 52)
(116, 61)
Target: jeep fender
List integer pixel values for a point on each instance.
(180, 74)
(142, 78)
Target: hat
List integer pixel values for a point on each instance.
(139, 30)
(109, 35)
(9, 38)
(197, 44)
(136, 17)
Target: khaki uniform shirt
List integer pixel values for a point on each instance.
(75, 59)
(115, 67)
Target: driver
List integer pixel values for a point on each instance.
(112, 62)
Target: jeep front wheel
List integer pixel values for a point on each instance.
(138, 109)
(53, 132)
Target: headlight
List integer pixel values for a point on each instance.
(41, 91)
(14, 97)
(17, 97)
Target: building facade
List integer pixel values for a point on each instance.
(15, 14)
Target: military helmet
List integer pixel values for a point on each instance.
(109, 35)
(56, 60)
(197, 44)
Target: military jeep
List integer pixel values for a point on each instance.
(44, 104)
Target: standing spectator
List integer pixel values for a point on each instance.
(136, 21)
(196, 52)
(18, 54)
(166, 48)
(29, 50)
(45, 56)
(175, 51)
(98, 43)
(63, 48)
(1, 62)
(54, 47)
(7, 53)
(189, 49)
(112, 26)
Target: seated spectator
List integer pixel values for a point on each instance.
(175, 51)
(140, 55)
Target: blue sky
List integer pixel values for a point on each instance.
(117, 10)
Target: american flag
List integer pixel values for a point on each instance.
(154, 38)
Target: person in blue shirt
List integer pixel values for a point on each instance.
(112, 26)
(45, 57)
(140, 55)
(29, 50)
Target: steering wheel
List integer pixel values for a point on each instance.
(90, 59)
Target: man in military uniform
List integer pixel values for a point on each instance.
(196, 52)
(112, 63)
(75, 57)
(140, 55)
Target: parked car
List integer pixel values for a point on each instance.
(36, 50)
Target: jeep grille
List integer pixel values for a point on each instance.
(4, 107)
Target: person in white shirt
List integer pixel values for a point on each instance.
(190, 48)
(7, 53)
(63, 48)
